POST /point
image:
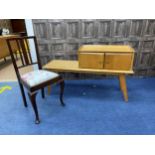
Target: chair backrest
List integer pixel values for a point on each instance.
(22, 45)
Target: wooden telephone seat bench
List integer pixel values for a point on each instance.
(99, 59)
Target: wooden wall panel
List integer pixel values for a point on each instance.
(60, 38)
(136, 27)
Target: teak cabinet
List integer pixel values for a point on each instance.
(108, 57)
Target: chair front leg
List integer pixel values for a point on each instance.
(32, 97)
(62, 85)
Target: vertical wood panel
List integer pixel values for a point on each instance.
(60, 38)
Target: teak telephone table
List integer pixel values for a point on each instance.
(72, 66)
(99, 59)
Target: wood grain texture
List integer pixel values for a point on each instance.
(73, 66)
(111, 57)
(91, 60)
(4, 51)
(123, 86)
(118, 61)
(106, 48)
(61, 38)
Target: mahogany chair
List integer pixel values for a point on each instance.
(34, 80)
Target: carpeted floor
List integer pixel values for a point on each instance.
(92, 107)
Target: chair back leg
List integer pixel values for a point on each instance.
(42, 93)
(23, 94)
(62, 85)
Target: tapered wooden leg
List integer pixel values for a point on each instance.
(62, 84)
(5, 59)
(42, 93)
(23, 94)
(49, 89)
(120, 83)
(123, 86)
(32, 97)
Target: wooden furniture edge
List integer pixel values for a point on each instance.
(81, 70)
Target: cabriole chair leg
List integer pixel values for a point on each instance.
(32, 97)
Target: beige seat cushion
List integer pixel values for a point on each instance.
(37, 77)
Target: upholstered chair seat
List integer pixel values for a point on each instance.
(37, 77)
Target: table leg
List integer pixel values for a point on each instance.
(49, 89)
(123, 86)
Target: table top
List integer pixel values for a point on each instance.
(105, 48)
(73, 66)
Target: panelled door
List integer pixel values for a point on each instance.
(91, 60)
(119, 61)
